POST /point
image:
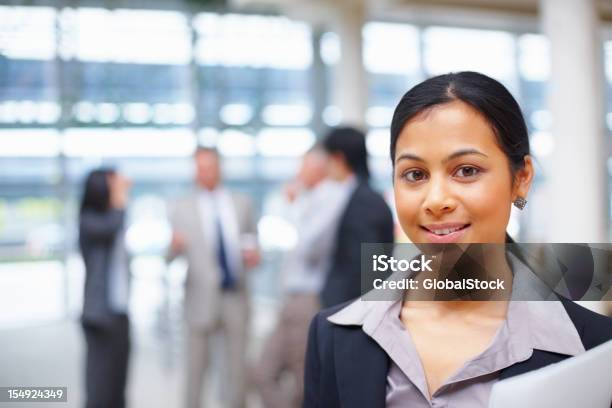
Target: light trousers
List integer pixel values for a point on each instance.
(232, 326)
(279, 375)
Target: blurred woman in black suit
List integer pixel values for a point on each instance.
(104, 320)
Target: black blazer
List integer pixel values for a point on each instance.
(97, 234)
(366, 219)
(347, 368)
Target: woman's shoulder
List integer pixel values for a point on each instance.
(320, 319)
(323, 324)
(593, 328)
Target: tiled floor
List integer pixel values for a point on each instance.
(52, 355)
(39, 347)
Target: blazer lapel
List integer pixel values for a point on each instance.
(361, 368)
(200, 230)
(538, 359)
(197, 220)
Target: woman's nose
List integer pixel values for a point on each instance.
(439, 199)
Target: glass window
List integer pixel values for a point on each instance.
(450, 49)
(128, 142)
(392, 59)
(252, 41)
(126, 36)
(390, 48)
(27, 73)
(28, 33)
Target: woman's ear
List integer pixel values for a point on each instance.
(523, 179)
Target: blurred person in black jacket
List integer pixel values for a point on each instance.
(105, 321)
(366, 217)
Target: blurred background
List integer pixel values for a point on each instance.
(139, 84)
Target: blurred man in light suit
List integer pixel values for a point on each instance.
(215, 230)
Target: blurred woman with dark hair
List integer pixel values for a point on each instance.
(104, 320)
(365, 215)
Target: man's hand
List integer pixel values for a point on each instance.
(292, 190)
(177, 244)
(119, 187)
(250, 258)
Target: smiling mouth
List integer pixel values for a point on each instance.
(445, 231)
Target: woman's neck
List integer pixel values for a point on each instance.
(492, 303)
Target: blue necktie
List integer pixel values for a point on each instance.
(227, 279)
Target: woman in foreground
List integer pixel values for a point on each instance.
(460, 153)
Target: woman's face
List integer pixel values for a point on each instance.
(452, 181)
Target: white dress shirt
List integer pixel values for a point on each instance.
(317, 215)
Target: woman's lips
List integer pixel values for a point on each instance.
(454, 236)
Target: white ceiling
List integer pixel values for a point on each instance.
(525, 7)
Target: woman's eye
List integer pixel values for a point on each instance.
(415, 175)
(467, 171)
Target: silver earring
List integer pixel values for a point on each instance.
(520, 203)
